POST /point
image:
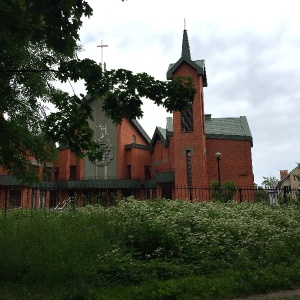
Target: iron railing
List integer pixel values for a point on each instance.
(12, 196)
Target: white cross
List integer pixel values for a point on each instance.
(101, 46)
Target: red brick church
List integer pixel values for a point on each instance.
(179, 161)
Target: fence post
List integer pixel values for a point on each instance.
(240, 194)
(284, 195)
(191, 196)
(5, 203)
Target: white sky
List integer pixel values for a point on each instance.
(252, 55)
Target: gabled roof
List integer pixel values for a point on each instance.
(297, 167)
(216, 128)
(228, 128)
(141, 130)
(198, 65)
(159, 134)
(133, 121)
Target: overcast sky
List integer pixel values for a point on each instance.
(252, 56)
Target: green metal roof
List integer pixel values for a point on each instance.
(159, 133)
(185, 45)
(216, 128)
(10, 181)
(228, 128)
(141, 130)
(162, 132)
(198, 65)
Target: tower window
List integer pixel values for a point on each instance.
(187, 120)
(189, 167)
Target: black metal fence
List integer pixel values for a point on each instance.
(13, 196)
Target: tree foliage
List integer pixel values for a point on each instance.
(224, 192)
(39, 43)
(269, 182)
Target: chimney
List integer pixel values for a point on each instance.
(283, 173)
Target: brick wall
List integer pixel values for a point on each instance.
(2, 171)
(194, 141)
(65, 160)
(137, 158)
(63, 163)
(161, 158)
(235, 164)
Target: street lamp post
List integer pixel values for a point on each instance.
(218, 156)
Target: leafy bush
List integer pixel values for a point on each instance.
(223, 192)
(142, 242)
(260, 195)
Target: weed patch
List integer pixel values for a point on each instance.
(156, 250)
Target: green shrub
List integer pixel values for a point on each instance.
(224, 192)
(142, 242)
(260, 195)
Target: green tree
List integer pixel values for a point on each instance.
(269, 182)
(39, 43)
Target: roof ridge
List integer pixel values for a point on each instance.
(288, 174)
(141, 130)
(228, 128)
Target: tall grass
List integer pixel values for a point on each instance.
(51, 247)
(153, 250)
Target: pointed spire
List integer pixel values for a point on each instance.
(185, 44)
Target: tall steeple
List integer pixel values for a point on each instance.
(188, 125)
(198, 65)
(185, 45)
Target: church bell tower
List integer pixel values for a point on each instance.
(190, 161)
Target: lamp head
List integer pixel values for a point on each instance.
(218, 155)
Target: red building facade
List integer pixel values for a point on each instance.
(179, 157)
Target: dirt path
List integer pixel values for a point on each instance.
(274, 295)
